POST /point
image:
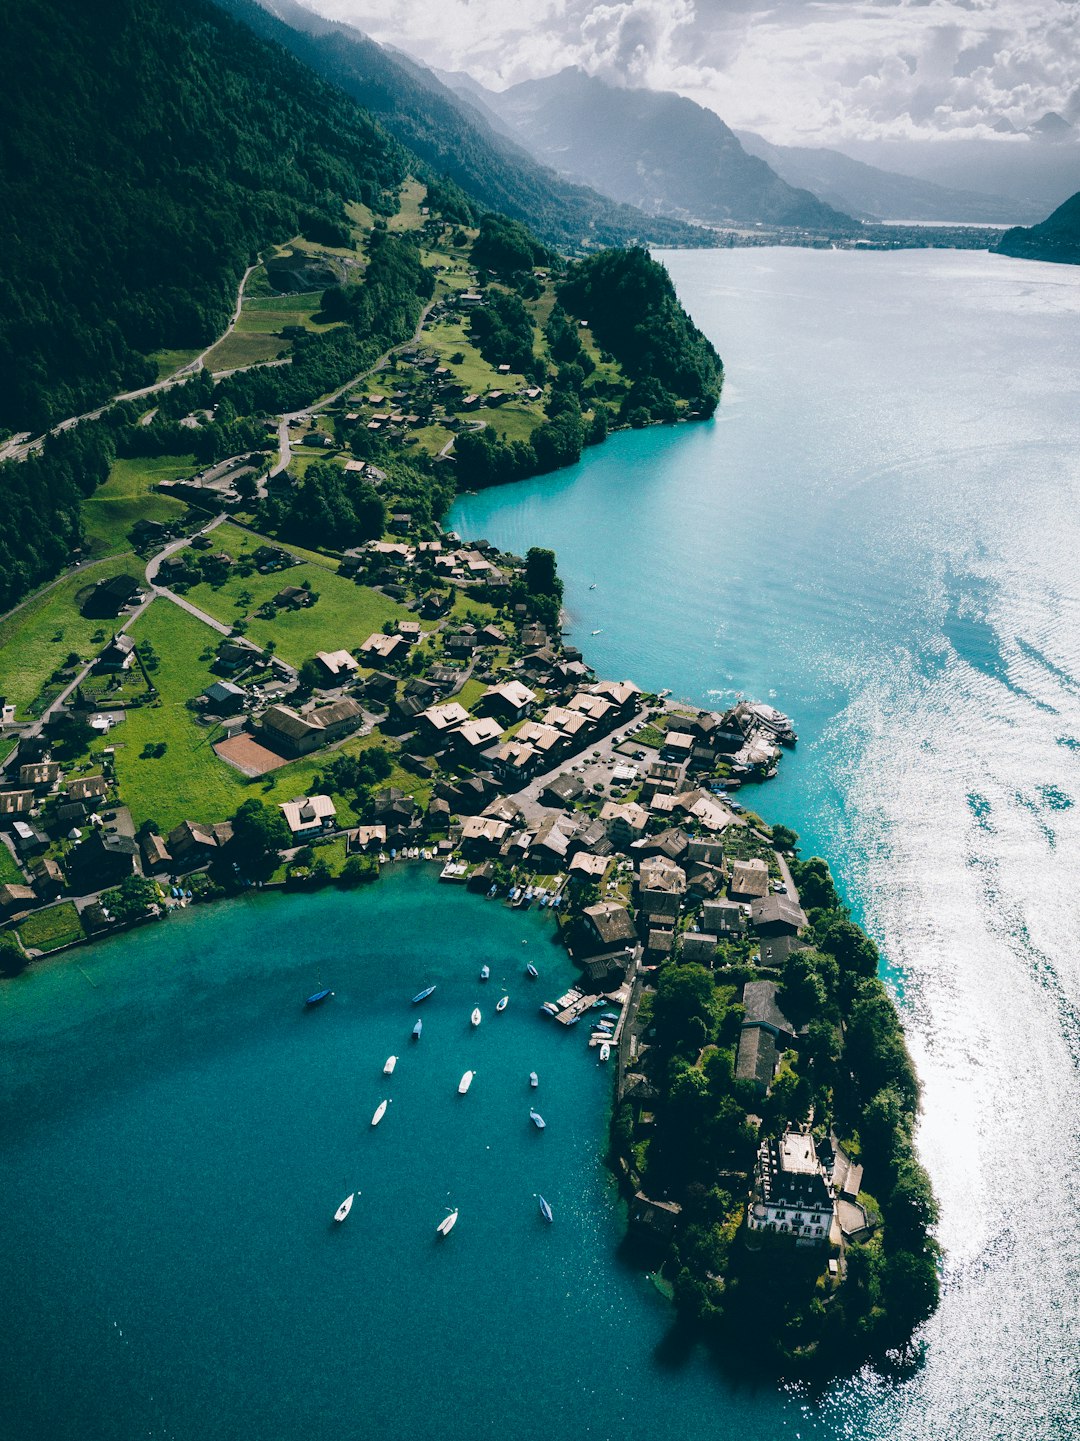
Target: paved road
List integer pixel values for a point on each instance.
(20, 446)
(597, 768)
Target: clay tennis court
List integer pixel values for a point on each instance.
(249, 756)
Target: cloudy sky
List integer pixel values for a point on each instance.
(797, 70)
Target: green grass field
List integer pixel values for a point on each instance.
(128, 495)
(408, 217)
(169, 361)
(239, 349)
(515, 421)
(47, 930)
(264, 314)
(10, 874)
(449, 338)
(341, 619)
(36, 639)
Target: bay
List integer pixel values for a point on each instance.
(879, 531)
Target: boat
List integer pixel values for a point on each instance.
(422, 995)
(503, 1003)
(609, 1016)
(485, 972)
(465, 1082)
(605, 1051)
(549, 1008)
(545, 1209)
(380, 1112)
(530, 970)
(593, 586)
(317, 997)
(596, 632)
(416, 1030)
(534, 1080)
(537, 1119)
(476, 1018)
(388, 1069)
(345, 1207)
(447, 1224)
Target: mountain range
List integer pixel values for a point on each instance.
(1055, 238)
(651, 149)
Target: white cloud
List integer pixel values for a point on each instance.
(827, 70)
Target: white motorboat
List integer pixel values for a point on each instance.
(485, 972)
(345, 1207)
(447, 1224)
(537, 1119)
(605, 1051)
(388, 1069)
(380, 1112)
(475, 1017)
(503, 1003)
(465, 1082)
(534, 1080)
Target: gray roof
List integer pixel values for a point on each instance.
(757, 1057)
(759, 1003)
(777, 910)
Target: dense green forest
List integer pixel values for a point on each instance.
(852, 1072)
(1055, 238)
(456, 141)
(147, 151)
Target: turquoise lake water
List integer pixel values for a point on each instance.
(880, 532)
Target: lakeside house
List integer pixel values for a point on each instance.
(749, 880)
(308, 816)
(791, 1194)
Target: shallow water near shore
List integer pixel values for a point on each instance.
(879, 531)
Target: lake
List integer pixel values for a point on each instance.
(879, 531)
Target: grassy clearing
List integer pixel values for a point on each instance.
(50, 929)
(128, 496)
(448, 339)
(470, 693)
(10, 872)
(170, 361)
(342, 618)
(514, 422)
(239, 349)
(267, 314)
(408, 216)
(37, 639)
(236, 540)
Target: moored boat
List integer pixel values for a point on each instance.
(605, 1051)
(534, 1080)
(317, 997)
(388, 1069)
(545, 1209)
(416, 1030)
(476, 1018)
(549, 1008)
(537, 1119)
(485, 971)
(345, 1207)
(380, 1112)
(447, 1224)
(503, 1003)
(465, 1082)
(422, 995)
(530, 970)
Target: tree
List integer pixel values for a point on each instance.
(541, 572)
(13, 958)
(310, 675)
(784, 838)
(684, 1011)
(132, 898)
(259, 831)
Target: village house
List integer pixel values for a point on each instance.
(102, 860)
(510, 701)
(28, 838)
(552, 839)
(339, 665)
(192, 844)
(118, 655)
(16, 898)
(749, 880)
(47, 878)
(791, 1193)
(380, 648)
(592, 867)
(109, 597)
(440, 720)
(562, 790)
(476, 735)
(482, 835)
(677, 746)
(625, 821)
(598, 708)
(90, 789)
(516, 762)
(777, 916)
(155, 854)
(410, 631)
(573, 725)
(610, 925)
(42, 775)
(225, 698)
(551, 743)
(366, 838)
(298, 734)
(699, 946)
(308, 816)
(726, 918)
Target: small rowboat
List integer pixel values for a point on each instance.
(545, 1209)
(388, 1069)
(447, 1224)
(317, 997)
(530, 970)
(422, 995)
(503, 1003)
(345, 1207)
(465, 1082)
(537, 1119)
(380, 1112)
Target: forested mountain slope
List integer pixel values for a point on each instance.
(147, 150)
(1055, 238)
(455, 140)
